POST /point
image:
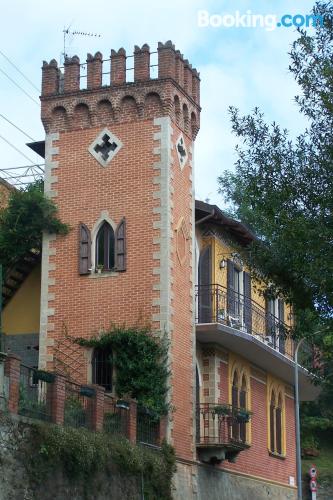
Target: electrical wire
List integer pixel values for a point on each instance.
(21, 73)
(16, 149)
(18, 128)
(19, 86)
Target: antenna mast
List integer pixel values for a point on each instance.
(67, 33)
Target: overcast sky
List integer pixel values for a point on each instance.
(244, 67)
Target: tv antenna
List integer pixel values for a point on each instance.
(68, 37)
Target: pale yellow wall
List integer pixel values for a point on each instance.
(219, 276)
(21, 314)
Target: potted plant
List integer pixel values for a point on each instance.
(223, 410)
(122, 403)
(99, 268)
(85, 390)
(44, 376)
(243, 416)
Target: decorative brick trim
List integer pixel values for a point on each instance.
(163, 246)
(47, 294)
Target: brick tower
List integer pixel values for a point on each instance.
(120, 156)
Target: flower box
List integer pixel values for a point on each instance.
(243, 416)
(222, 410)
(121, 403)
(87, 391)
(44, 376)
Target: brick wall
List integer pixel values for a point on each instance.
(144, 183)
(256, 460)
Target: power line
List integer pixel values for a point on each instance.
(18, 128)
(16, 149)
(18, 69)
(39, 165)
(19, 86)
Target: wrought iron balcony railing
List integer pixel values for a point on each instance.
(217, 304)
(222, 425)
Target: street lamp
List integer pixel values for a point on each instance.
(298, 427)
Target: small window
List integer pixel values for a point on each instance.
(239, 401)
(272, 422)
(105, 254)
(275, 423)
(102, 367)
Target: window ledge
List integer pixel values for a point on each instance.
(105, 274)
(277, 455)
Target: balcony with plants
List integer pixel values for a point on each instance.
(221, 431)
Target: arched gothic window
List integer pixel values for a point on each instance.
(239, 401)
(105, 247)
(275, 424)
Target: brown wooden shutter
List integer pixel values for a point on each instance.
(270, 322)
(205, 285)
(231, 299)
(282, 332)
(84, 250)
(247, 302)
(121, 246)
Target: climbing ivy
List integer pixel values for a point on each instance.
(140, 361)
(22, 222)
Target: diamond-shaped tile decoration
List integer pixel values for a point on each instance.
(181, 151)
(105, 147)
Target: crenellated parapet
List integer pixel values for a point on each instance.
(101, 91)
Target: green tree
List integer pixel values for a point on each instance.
(283, 190)
(22, 222)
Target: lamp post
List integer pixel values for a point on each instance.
(0, 307)
(298, 430)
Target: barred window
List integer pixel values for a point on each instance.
(102, 367)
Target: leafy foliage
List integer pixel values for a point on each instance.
(283, 190)
(22, 222)
(82, 454)
(141, 365)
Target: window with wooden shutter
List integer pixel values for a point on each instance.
(270, 320)
(230, 287)
(247, 302)
(121, 246)
(84, 250)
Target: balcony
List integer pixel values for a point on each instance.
(216, 304)
(242, 326)
(220, 432)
